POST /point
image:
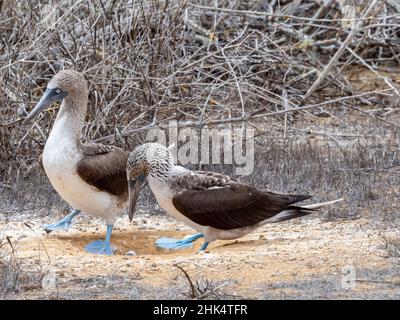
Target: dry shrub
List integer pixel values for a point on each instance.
(148, 62)
(13, 278)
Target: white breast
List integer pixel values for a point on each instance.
(60, 157)
(164, 198)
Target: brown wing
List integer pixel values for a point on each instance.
(104, 167)
(94, 149)
(233, 206)
(214, 178)
(199, 180)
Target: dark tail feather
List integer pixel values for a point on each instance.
(290, 212)
(299, 197)
(288, 199)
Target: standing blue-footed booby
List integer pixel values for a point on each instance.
(64, 223)
(211, 203)
(90, 177)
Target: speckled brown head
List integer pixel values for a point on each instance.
(66, 84)
(147, 159)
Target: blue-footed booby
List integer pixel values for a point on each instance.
(215, 205)
(90, 177)
(64, 223)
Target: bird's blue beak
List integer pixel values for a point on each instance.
(50, 96)
(134, 187)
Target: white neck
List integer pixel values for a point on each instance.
(69, 122)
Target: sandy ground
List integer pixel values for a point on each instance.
(301, 259)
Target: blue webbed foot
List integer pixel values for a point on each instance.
(59, 225)
(63, 224)
(176, 244)
(173, 244)
(99, 247)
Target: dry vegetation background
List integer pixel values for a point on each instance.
(322, 97)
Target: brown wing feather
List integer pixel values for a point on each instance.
(198, 180)
(233, 206)
(94, 149)
(104, 167)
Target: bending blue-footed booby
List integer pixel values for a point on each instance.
(213, 204)
(90, 177)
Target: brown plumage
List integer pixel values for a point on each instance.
(200, 180)
(104, 167)
(216, 201)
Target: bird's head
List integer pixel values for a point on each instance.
(66, 83)
(147, 159)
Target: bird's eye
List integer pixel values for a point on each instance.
(58, 91)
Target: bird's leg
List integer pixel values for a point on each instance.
(174, 244)
(204, 246)
(62, 224)
(101, 246)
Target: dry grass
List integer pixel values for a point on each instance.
(204, 288)
(151, 61)
(392, 246)
(14, 278)
(9, 270)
